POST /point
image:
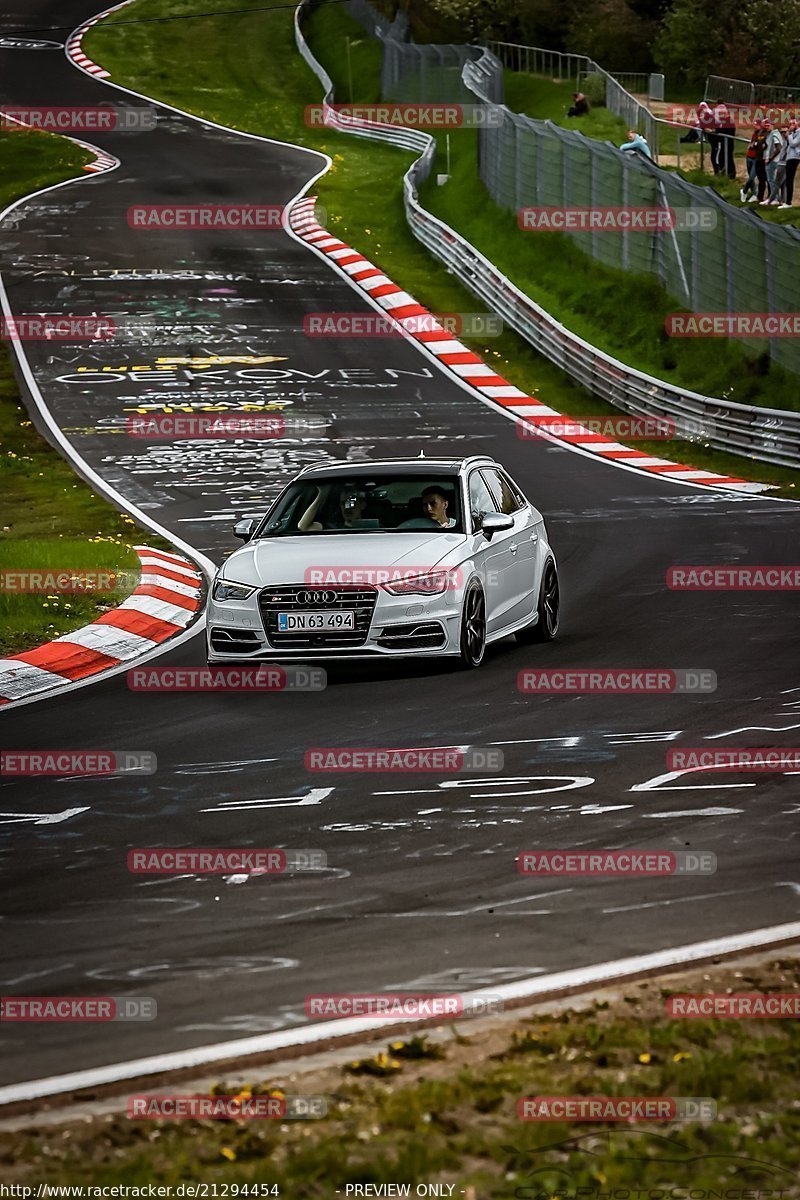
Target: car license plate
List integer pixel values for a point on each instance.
(313, 622)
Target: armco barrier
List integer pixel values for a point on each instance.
(770, 435)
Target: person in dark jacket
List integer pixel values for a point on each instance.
(726, 133)
(580, 106)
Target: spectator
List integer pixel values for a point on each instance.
(725, 130)
(792, 159)
(636, 142)
(771, 150)
(759, 176)
(705, 123)
(750, 161)
(581, 107)
(778, 190)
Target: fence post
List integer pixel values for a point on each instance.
(626, 248)
(769, 273)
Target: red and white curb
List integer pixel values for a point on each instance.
(459, 360)
(103, 161)
(74, 49)
(166, 600)
(75, 52)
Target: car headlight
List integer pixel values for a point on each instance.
(231, 591)
(421, 585)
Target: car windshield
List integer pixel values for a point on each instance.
(367, 504)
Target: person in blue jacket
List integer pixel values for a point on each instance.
(636, 142)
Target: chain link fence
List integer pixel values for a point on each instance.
(717, 258)
(770, 435)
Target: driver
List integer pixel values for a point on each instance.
(352, 506)
(435, 505)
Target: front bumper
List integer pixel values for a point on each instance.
(390, 627)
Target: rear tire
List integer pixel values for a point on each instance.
(472, 640)
(548, 609)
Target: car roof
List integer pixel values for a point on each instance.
(409, 466)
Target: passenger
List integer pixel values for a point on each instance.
(435, 505)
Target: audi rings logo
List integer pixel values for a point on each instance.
(328, 596)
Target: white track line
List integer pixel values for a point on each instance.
(66, 448)
(579, 979)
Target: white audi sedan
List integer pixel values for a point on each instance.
(400, 558)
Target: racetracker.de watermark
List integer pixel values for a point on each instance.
(733, 1005)
(742, 114)
(78, 762)
(197, 861)
(271, 678)
(237, 218)
(716, 578)
(616, 1108)
(56, 327)
(400, 1006)
(244, 1106)
(616, 862)
(368, 325)
(411, 580)
(414, 759)
(623, 428)
(77, 1009)
(436, 115)
(618, 680)
(733, 325)
(551, 218)
(104, 117)
(163, 427)
(65, 580)
(740, 758)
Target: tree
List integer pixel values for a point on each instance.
(611, 33)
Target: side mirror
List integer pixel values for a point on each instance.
(246, 528)
(494, 523)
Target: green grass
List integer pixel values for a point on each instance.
(257, 82)
(549, 100)
(49, 518)
(446, 1112)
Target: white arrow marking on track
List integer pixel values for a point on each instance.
(315, 796)
(43, 818)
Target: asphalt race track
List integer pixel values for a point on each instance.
(421, 889)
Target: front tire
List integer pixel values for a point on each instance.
(548, 609)
(472, 641)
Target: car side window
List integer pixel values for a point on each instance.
(481, 501)
(506, 496)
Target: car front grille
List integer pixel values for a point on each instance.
(285, 597)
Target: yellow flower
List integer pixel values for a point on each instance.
(680, 1056)
(226, 1152)
(645, 1058)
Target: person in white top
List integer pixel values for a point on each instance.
(792, 159)
(771, 152)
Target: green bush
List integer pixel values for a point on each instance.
(594, 89)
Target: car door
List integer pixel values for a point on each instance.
(493, 558)
(522, 543)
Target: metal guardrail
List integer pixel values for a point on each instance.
(742, 91)
(770, 435)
